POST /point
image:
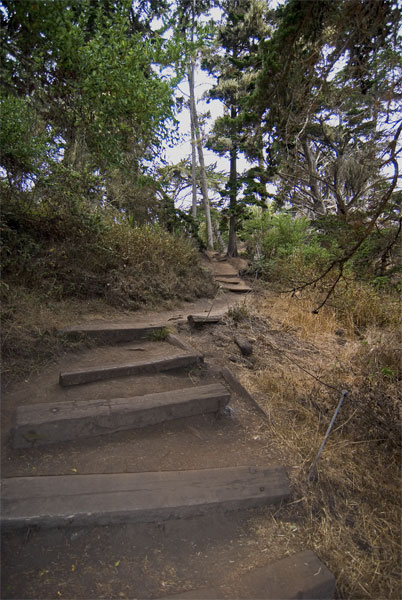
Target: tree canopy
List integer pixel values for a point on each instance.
(310, 94)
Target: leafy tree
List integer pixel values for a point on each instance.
(328, 102)
(86, 74)
(326, 94)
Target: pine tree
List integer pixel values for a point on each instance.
(243, 24)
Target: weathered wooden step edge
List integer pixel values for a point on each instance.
(47, 423)
(230, 280)
(198, 321)
(239, 389)
(137, 497)
(226, 276)
(177, 341)
(238, 287)
(111, 334)
(302, 575)
(138, 368)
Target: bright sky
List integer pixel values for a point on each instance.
(204, 83)
(183, 149)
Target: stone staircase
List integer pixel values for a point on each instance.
(102, 396)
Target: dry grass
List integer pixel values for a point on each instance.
(29, 330)
(358, 306)
(351, 515)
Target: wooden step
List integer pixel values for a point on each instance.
(136, 368)
(39, 424)
(111, 334)
(234, 280)
(225, 274)
(224, 269)
(137, 497)
(302, 575)
(198, 321)
(235, 287)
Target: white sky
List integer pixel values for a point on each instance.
(203, 83)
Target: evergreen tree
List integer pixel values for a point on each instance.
(233, 63)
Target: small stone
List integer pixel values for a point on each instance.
(244, 344)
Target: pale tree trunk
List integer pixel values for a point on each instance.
(197, 133)
(193, 169)
(232, 245)
(221, 246)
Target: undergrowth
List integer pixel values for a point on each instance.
(58, 254)
(351, 515)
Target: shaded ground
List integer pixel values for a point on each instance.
(149, 560)
(349, 517)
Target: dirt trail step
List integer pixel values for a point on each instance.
(226, 275)
(235, 287)
(46, 423)
(302, 575)
(99, 373)
(137, 497)
(112, 334)
(221, 279)
(223, 269)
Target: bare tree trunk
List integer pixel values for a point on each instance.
(193, 168)
(221, 246)
(232, 245)
(204, 187)
(319, 207)
(261, 166)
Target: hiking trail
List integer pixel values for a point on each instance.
(134, 469)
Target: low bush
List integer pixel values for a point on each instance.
(58, 255)
(93, 253)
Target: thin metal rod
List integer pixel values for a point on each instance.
(338, 408)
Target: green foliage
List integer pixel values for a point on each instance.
(388, 373)
(293, 251)
(159, 335)
(275, 235)
(82, 78)
(23, 139)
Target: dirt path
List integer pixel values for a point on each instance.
(155, 559)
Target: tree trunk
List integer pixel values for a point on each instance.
(193, 167)
(221, 246)
(232, 245)
(204, 187)
(263, 178)
(319, 207)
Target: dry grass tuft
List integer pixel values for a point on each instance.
(29, 329)
(351, 515)
(359, 305)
